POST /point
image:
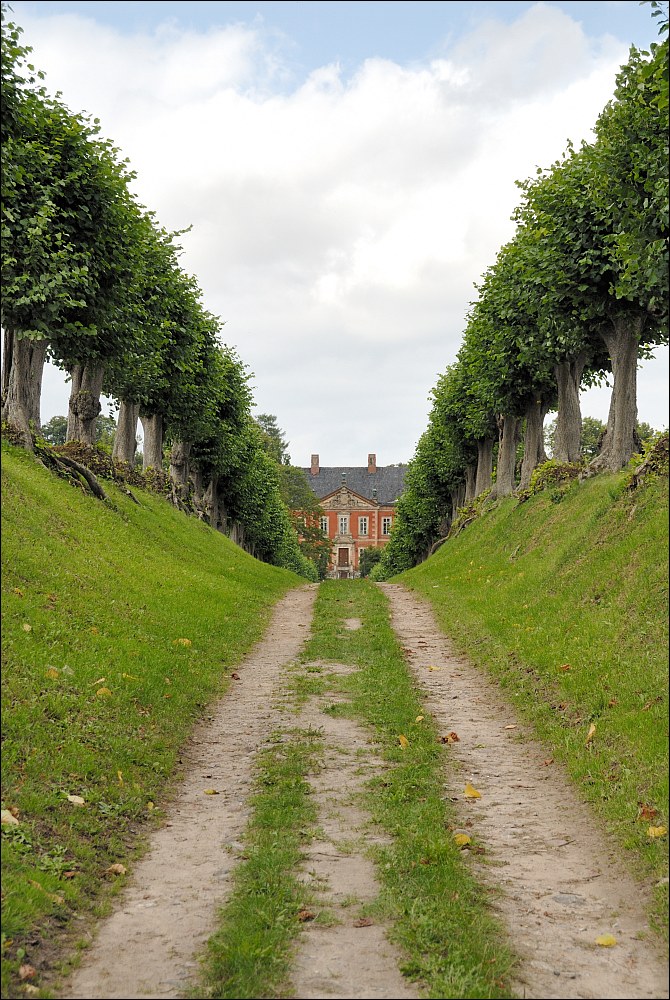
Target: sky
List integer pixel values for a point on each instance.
(348, 171)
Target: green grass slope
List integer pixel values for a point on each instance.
(120, 623)
(564, 599)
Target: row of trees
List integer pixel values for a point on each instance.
(579, 294)
(92, 282)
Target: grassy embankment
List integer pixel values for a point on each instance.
(564, 599)
(120, 623)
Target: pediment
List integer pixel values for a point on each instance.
(345, 499)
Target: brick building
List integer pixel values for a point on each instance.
(358, 504)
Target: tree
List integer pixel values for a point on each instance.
(306, 512)
(55, 430)
(369, 558)
(69, 246)
(601, 263)
(274, 441)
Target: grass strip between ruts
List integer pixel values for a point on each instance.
(250, 954)
(440, 914)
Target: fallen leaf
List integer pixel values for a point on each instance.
(590, 734)
(471, 792)
(646, 813)
(100, 680)
(103, 693)
(27, 628)
(51, 895)
(76, 800)
(657, 831)
(419, 718)
(612, 702)
(117, 869)
(461, 839)
(18, 592)
(565, 667)
(9, 818)
(27, 972)
(211, 791)
(119, 775)
(548, 761)
(52, 672)
(364, 922)
(450, 738)
(433, 668)
(69, 874)
(513, 726)
(606, 940)
(94, 630)
(30, 990)
(236, 677)
(403, 741)
(305, 915)
(129, 677)
(150, 806)
(182, 642)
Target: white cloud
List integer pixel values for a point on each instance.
(338, 225)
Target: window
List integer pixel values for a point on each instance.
(344, 524)
(324, 525)
(386, 526)
(362, 526)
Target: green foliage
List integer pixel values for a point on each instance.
(274, 441)
(553, 472)
(369, 557)
(55, 430)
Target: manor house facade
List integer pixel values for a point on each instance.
(358, 505)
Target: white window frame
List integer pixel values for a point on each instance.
(363, 526)
(324, 525)
(343, 524)
(386, 525)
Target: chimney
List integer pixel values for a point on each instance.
(315, 466)
(372, 463)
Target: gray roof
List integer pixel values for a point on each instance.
(388, 481)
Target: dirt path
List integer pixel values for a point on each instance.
(561, 886)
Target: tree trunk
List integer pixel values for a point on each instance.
(23, 366)
(470, 482)
(125, 439)
(84, 403)
(212, 502)
(152, 430)
(620, 441)
(198, 485)
(506, 471)
(567, 441)
(484, 465)
(223, 513)
(179, 456)
(458, 499)
(533, 442)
